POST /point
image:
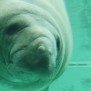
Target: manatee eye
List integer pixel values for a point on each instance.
(14, 28)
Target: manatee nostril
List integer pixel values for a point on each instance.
(41, 48)
(41, 59)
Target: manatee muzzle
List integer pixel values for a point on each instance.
(39, 55)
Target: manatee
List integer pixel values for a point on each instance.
(35, 43)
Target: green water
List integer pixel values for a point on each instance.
(80, 16)
(77, 77)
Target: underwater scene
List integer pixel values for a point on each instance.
(39, 51)
(77, 76)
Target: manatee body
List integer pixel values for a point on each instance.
(35, 43)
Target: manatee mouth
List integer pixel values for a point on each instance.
(38, 56)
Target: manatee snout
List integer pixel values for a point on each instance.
(38, 52)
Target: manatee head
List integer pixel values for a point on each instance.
(34, 48)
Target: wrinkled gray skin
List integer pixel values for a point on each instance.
(35, 44)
